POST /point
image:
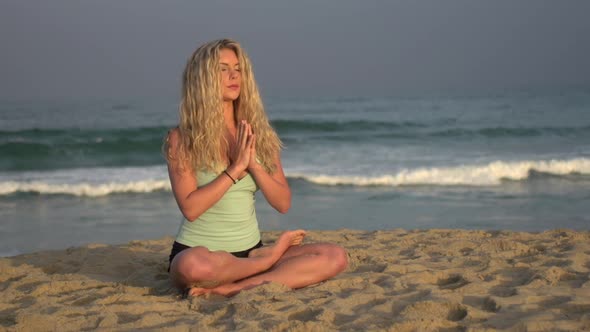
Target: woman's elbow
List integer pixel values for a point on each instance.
(283, 210)
(283, 207)
(190, 215)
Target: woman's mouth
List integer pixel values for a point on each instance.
(234, 87)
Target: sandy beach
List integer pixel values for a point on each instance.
(442, 280)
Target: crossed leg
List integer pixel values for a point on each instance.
(300, 266)
(203, 269)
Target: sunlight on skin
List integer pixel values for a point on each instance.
(265, 251)
(285, 241)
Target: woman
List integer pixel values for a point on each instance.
(223, 150)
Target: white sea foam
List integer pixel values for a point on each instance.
(106, 181)
(84, 189)
(464, 175)
(87, 181)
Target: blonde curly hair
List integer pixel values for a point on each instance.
(202, 142)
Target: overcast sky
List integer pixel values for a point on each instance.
(130, 48)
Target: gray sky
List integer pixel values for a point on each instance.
(119, 48)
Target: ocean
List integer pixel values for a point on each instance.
(90, 171)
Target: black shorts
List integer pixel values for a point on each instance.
(178, 247)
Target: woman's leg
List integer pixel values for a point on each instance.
(299, 267)
(202, 268)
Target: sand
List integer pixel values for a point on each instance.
(398, 280)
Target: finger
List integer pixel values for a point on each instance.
(244, 141)
(253, 143)
(238, 138)
(249, 143)
(249, 130)
(240, 134)
(253, 138)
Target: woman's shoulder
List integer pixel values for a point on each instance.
(173, 137)
(173, 133)
(171, 142)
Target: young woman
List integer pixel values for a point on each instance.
(222, 151)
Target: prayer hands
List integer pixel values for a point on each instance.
(243, 153)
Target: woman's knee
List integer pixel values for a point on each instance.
(335, 257)
(194, 265)
(338, 257)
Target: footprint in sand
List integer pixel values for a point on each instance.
(576, 310)
(484, 303)
(503, 291)
(410, 252)
(558, 262)
(341, 319)
(553, 301)
(7, 318)
(517, 276)
(86, 300)
(566, 246)
(416, 295)
(305, 315)
(124, 318)
(371, 268)
(29, 287)
(8, 282)
(366, 307)
(488, 304)
(466, 251)
(26, 301)
(452, 282)
(435, 310)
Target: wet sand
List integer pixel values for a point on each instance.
(397, 280)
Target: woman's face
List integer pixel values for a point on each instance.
(231, 77)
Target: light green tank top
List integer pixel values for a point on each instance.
(230, 224)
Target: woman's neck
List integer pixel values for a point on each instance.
(229, 115)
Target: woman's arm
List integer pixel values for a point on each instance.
(275, 187)
(192, 199)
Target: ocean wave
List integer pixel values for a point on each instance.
(83, 189)
(442, 128)
(60, 148)
(96, 182)
(49, 149)
(465, 175)
(302, 130)
(92, 182)
(287, 126)
(493, 132)
(73, 132)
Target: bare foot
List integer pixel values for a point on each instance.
(197, 291)
(225, 290)
(286, 239)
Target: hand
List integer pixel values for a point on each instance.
(240, 153)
